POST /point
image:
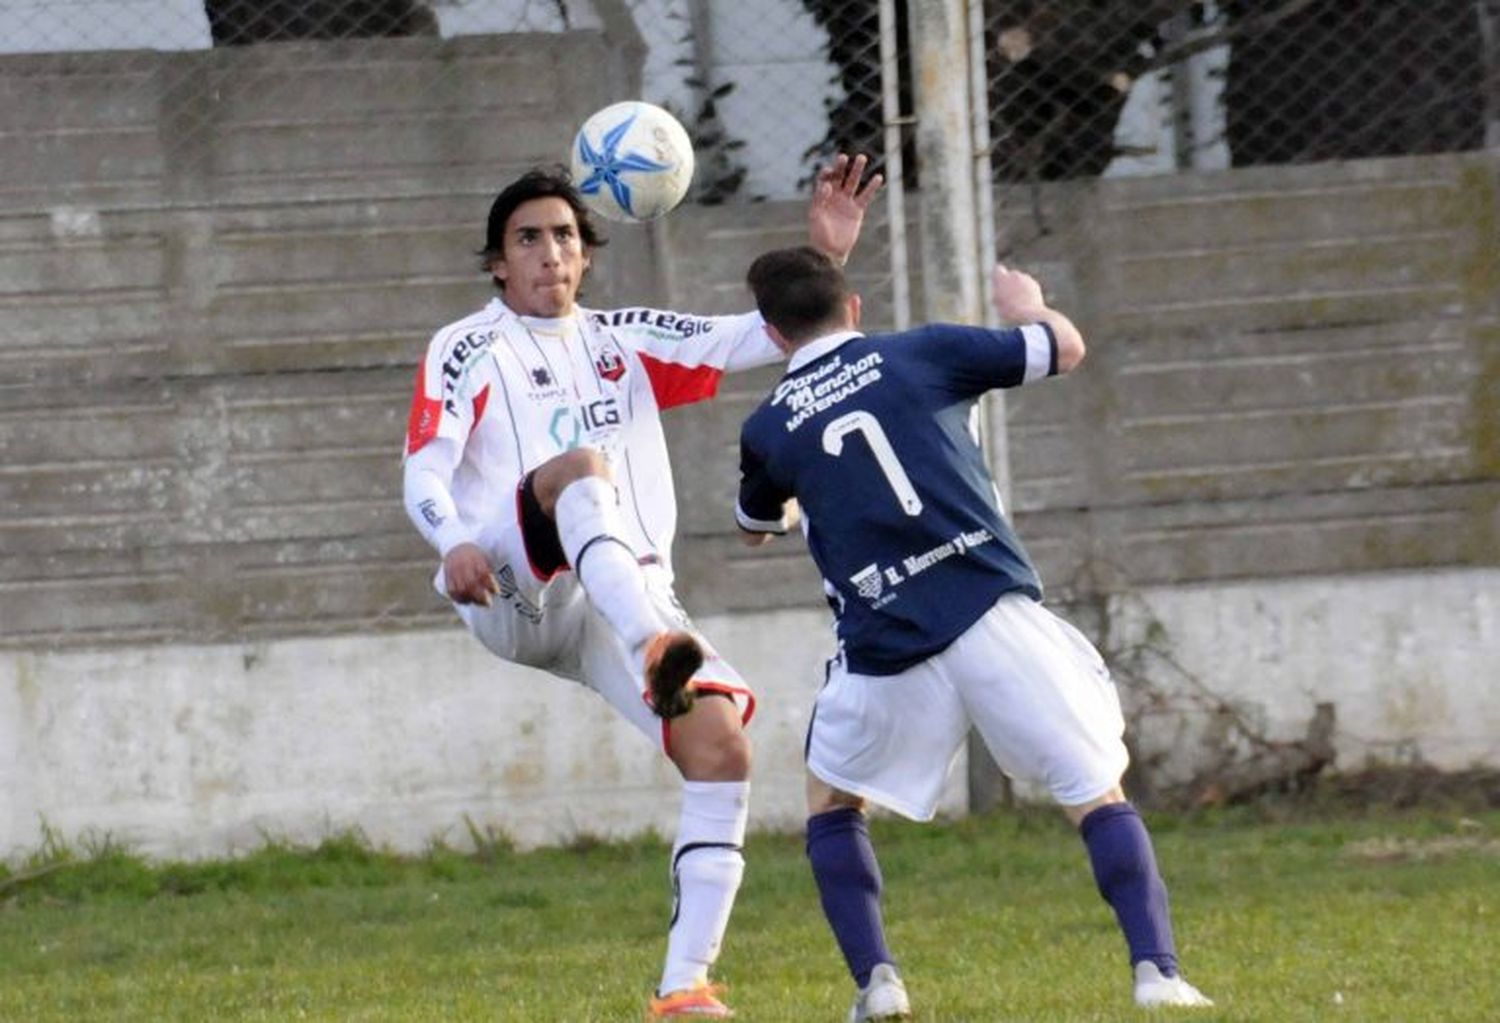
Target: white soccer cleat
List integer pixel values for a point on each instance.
(883, 998)
(1153, 991)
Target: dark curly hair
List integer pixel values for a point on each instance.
(540, 183)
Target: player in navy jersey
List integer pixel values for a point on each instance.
(938, 608)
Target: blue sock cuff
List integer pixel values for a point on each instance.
(835, 822)
(1104, 814)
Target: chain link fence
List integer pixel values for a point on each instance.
(1077, 88)
(768, 89)
(1082, 89)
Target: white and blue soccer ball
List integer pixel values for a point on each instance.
(632, 161)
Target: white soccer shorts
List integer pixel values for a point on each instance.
(549, 624)
(1035, 688)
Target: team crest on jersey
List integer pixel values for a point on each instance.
(867, 582)
(610, 366)
(541, 377)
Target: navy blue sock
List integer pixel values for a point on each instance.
(1125, 870)
(848, 876)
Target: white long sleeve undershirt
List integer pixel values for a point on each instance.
(426, 481)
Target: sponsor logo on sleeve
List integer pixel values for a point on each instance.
(461, 358)
(657, 321)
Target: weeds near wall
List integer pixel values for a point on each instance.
(1190, 745)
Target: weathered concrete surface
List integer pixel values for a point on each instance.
(1410, 662)
(188, 751)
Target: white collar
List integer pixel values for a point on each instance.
(819, 347)
(545, 324)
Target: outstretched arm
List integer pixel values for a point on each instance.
(838, 206)
(1018, 299)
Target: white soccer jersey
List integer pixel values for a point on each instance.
(499, 394)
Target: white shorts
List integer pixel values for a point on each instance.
(550, 624)
(1034, 687)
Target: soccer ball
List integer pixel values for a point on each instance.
(632, 161)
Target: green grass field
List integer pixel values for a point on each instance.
(1387, 916)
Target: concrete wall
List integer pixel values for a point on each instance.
(198, 750)
(1408, 660)
(772, 51)
(215, 621)
(202, 750)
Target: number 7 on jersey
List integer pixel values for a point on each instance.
(880, 446)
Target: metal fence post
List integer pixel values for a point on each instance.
(950, 220)
(1489, 27)
(944, 157)
(895, 172)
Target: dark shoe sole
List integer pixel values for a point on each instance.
(669, 674)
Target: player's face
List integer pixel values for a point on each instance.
(544, 258)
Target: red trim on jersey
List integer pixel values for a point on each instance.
(426, 415)
(708, 686)
(480, 401)
(675, 384)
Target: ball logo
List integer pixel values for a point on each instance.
(608, 166)
(633, 161)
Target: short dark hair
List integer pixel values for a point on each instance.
(539, 183)
(798, 290)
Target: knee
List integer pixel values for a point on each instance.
(824, 798)
(552, 477)
(718, 756)
(729, 757)
(581, 462)
(1078, 812)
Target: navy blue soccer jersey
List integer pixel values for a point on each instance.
(872, 436)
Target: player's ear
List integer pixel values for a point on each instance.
(498, 269)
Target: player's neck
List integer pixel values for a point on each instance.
(545, 314)
(816, 348)
(537, 321)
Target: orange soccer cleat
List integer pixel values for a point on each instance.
(702, 1000)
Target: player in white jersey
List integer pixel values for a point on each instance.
(939, 614)
(536, 466)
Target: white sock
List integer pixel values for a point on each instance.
(707, 865)
(588, 523)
